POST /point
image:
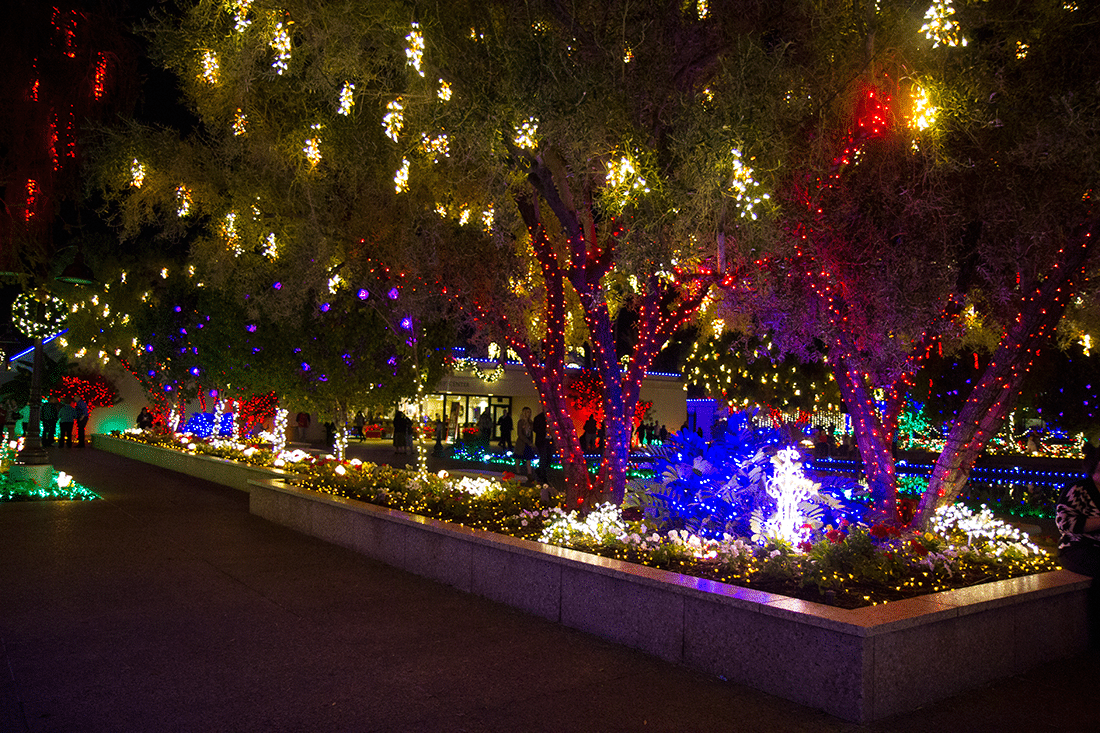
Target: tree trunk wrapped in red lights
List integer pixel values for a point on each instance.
(988, 405)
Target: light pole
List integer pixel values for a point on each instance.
(33, 462)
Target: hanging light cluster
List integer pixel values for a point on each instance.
(38, 315)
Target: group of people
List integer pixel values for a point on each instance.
(58, 418)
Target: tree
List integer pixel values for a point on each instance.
(900, 216)
(68, 65)
(585, 130)
(274, 211)
(743, 371)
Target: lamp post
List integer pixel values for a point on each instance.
(33, 462)
(42, 316)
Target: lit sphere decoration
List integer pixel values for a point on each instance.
(27, 318)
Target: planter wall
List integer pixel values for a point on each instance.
(218, 470)
(860, 665)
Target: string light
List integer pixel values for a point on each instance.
(744, 187)
(924, 114)
(99, 84)
(623, 180)
(394, 119)
(183, 202)
(271, 247)
(240, 123)
(240, 12)
(401, 177)
(940, 27)
(312, 147)
(415, 51)
(444, 92)
(38, 316)
(435, 146)
(280, 44)
(347, 99)
(137, 174)
(525, 136)
(209, 67)
(32, 198)
(229, 233)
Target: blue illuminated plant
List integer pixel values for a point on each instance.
(717, 488)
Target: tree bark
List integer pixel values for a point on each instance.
(875, 430)
(992, 397)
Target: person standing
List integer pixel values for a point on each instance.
(145, 419)
(588, 438)
(303, 424)
(400, 426)
(82, 415)
(66, 417)
(485, 428)
(48, 415)
(505, 425)
(525, 438)
(542, 446)
(1078, 520)
(440, 432)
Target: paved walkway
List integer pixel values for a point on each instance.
(166, 606)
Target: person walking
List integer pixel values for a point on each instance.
(66, 417)
(1077, 517)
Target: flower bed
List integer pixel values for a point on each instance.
(849, 566)
(60, 486)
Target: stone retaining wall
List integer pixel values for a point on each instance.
(219, 470)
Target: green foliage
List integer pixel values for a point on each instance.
(17, 389)
(739, 369)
